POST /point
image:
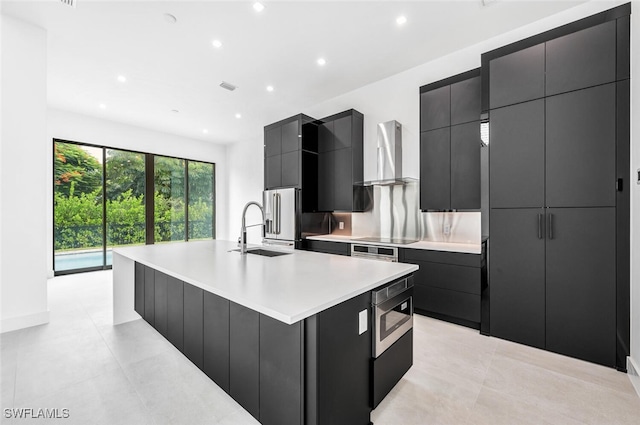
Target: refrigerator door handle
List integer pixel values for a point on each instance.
(277, 212)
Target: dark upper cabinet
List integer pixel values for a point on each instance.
(435, 169)
(273, 171)
(581, 284)
(175, 312)
(244, 357)
(291, 136)
(516, 155)
(465, 165)
(466, 98)
(273, 141)
(193, 323)
(581, 148)
(325, 137)
(342, 132)
(517, 77)
(450, 143)
(290, 169)
(326, 180)
(216, 339)
(517, 271)
(435, 108)
(161, 307)
(582, 59)
(343, 180)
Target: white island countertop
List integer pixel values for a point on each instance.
(288, 288)
(463, 248)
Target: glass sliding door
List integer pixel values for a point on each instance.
(78, 207)
(125, 199)
(169, 199)
(201, 200)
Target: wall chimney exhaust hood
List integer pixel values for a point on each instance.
(389, 156)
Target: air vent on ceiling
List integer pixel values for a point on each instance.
(228, 86)
(71, 3)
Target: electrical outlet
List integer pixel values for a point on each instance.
(638, 181)
(363, 322)
(341, 225)
(447, 229)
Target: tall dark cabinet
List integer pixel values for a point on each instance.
(450, 143)
(559, 157)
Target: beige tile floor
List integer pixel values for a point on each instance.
(129, 374)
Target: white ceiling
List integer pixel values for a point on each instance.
(175, 66)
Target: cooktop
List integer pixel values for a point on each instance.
(398, 241)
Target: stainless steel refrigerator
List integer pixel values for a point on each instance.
(281, 215)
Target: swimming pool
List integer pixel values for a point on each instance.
(80, 260)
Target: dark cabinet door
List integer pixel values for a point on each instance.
(342, 132)
(343, 180)
(326, 180)
(193, 322)
(175, 312)
(273, 141)
(273, 172)
(290, 136)
(517, 77)
(139, 289)
(581, 148)
(149, 296)
(581, 283)
(216, 339)
(435, 108)
(290, 169)
(517, 270)
(465, 101)
(435, 169)
(161, 297)
(325, 137)
(582, 59)
(465, 166)
(516, 155)
(244, 357)
(281, 372)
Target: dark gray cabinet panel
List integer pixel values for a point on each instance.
(582, 59)
(581, 148)
(451, 277)
(465, 101)
(516, 155)
(517, 77)
(435, 169)
(325, 137)
(175, 312)
(290, 169)
(244, 357)
(216, 339)
(581, 284)
(456, 304)
(272, 141)
(357, 145)
(327, 247)
(160, 308)
(326, 180)
(281, 372)
(517, 271)
(407, 255)
(435, 108)
(193, 322)
(465, 165)
(149, 296)
(290, 139)
(343, 183)
(273, 172)
(139, 289)
(342, 132)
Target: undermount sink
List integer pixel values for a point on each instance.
(264, 252)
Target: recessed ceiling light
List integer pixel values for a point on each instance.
(401, 20)
(169, 18)
(269, 88)
(258, 7)
(217, 44)
(205, 131)
(175, 111)
(102, 106)
(238, 116)
(322, 62)
(122, 78)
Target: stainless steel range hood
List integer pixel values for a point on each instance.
(389, 156)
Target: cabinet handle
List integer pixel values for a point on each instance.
(278, 218)
(550, 226)
(539, 226)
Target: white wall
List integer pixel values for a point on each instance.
(23, 269)
(81, 128)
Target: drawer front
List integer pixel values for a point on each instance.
(407, 255)
(451, 303)
(327, 247)
(456, 278)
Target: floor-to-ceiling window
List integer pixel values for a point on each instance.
(102, 200)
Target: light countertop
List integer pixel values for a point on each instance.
(466, 248)
(288, 288)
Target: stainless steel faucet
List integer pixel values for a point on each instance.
(243, 229)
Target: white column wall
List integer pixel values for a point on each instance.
(23, 266)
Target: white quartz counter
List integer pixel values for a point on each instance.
(468, 248)
(288, 288)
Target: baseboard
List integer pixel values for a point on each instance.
(21, 322)
(632, 371)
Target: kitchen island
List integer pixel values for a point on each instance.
(288, 337)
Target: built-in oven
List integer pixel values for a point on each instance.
(375, 252)
(392, 313)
